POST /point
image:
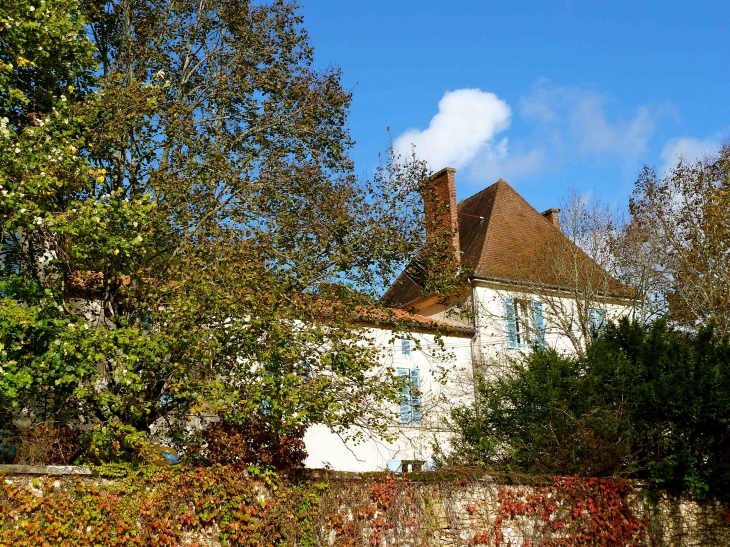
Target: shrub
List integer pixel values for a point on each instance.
(115, 442)
(646, 401)
(47, 444)
(252, 442)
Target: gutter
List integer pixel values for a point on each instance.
(558, 288)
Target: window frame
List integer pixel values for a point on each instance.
(410, 411)
(405, 347)
(525, 322)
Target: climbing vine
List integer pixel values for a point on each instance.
(572, 511)
(228, 506)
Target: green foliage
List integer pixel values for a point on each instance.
(44, 55)
(42, 363)
(646, 401)
(177, 204)
(547, 415)
(115, 442)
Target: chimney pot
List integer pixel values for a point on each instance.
(553, 217)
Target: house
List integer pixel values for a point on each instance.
(527, 285)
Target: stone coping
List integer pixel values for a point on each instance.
(12, 469)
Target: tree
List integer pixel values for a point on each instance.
(583, 265)
(683, 220)
(646, 401)
(544, 415)
(46, 67)
(207, 245)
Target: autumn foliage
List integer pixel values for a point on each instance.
(254, 442)
(223, 504)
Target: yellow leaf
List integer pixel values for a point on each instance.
(22, 61)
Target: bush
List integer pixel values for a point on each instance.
(115, 442)
(646, 401)
(251, 442)
(46, 444)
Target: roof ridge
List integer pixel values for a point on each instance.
(507, 184)
(490, 224)
(482, 191)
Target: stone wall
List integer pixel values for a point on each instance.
(326, 508)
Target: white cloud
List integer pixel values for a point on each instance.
(508, 166)
(466, 123)
(689, 149)
(559, 126)
(574, 120)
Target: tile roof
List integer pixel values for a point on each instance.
(503, 237)
(412, 321)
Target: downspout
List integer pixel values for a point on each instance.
(475, 323)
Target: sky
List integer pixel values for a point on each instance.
(546, 95)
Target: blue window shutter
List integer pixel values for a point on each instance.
(511, 322)
(539, 323)
(394, 466)
(405, 346)
(405, 396)
(416, 396)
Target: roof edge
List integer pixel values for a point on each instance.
(562, 288)
(439, 328)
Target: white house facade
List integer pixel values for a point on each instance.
(513, 301)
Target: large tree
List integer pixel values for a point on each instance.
(683, 220)
(191, 237)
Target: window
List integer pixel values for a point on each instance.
(410, 396)
(405, 346)
(525, 323)
(407, 466)
(596, 320)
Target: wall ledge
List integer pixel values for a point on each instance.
(12, 469)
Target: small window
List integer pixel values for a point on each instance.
(407, 466)
(410, 396)
(597, 320)
(405, 346)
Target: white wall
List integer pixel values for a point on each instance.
(446, 380)
(557, 311)
(491, 322)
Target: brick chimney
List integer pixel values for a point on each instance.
(553, 216)
(440, 211)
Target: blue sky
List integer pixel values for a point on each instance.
(545, 94)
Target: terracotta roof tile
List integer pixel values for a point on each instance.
(392, 316)
(502, 236)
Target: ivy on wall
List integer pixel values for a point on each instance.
(222, 505)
